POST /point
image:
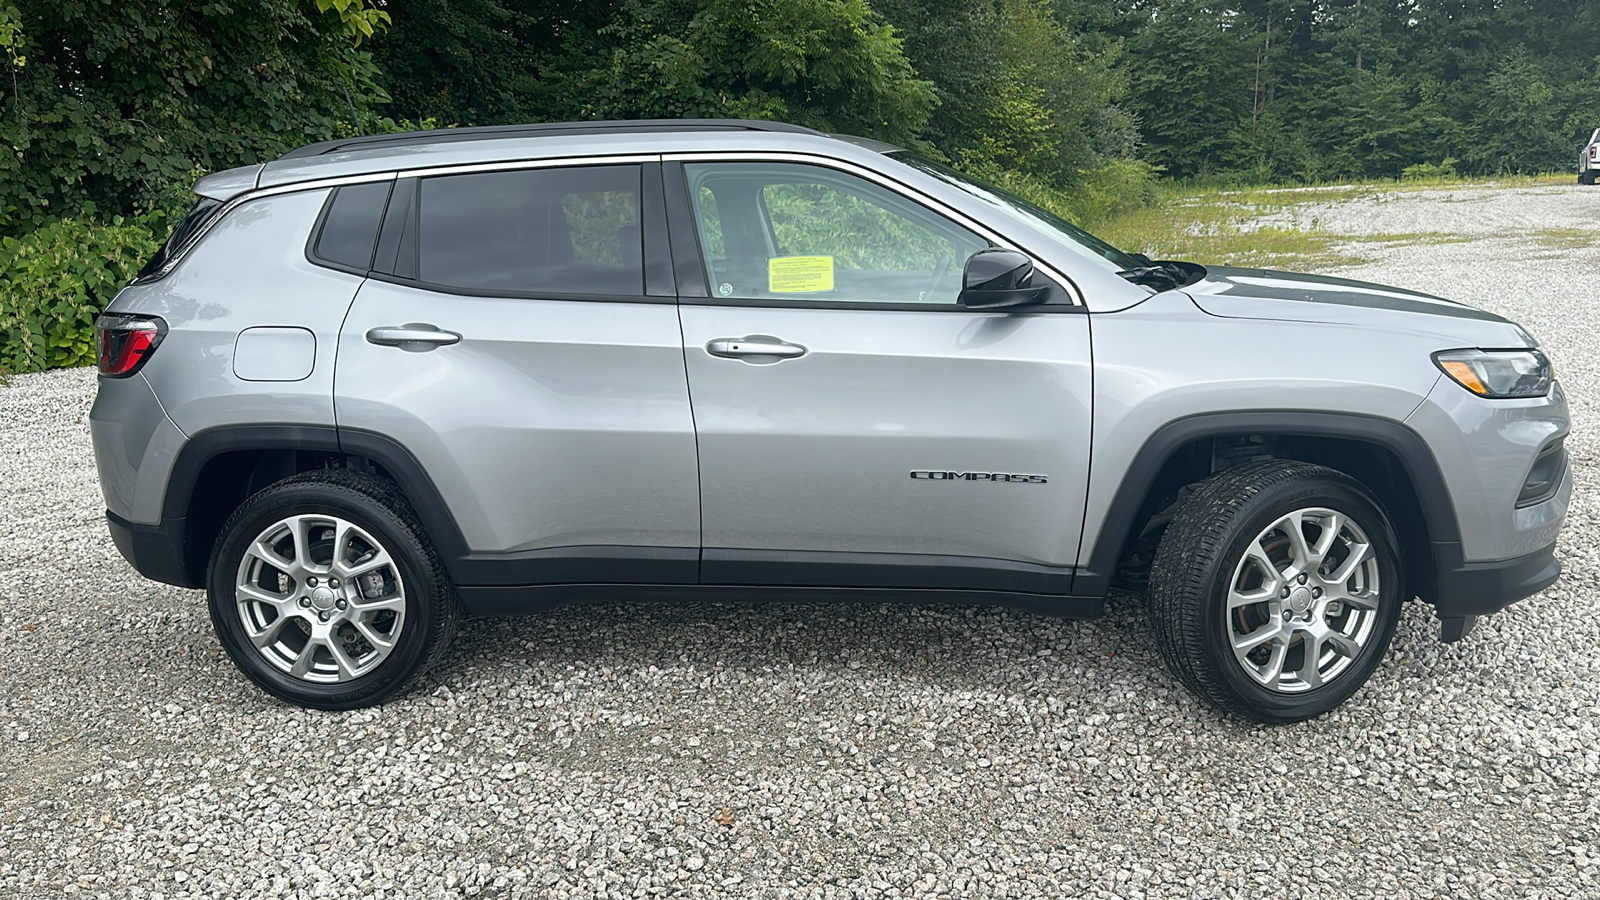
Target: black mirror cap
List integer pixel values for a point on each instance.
(998, 278)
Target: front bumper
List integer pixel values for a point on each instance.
(1467, 590)
(156, 551)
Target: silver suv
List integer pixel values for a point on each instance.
(384, 382)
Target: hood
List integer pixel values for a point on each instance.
(1265, 294)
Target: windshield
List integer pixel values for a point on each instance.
(1015, 207)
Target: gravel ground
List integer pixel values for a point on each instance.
(784, 750)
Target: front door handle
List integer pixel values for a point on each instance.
(755, 345)
(413, 336)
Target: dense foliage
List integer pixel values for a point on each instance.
(111, 109)
(1266, 90)
(56, 279)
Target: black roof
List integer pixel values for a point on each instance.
(547, 129)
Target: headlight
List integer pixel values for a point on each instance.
(1497, 374)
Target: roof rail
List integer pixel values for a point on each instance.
(545, 129)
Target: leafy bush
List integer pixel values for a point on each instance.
(56, 279)
(1430, 171)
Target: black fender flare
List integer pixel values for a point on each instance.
(1438, 511)
(205, 446)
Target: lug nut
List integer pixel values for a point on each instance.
(1284, 593)
(1316, 593)
(305, 602)
(1288, 614)
(1302, 578)
(311, 581)
(333, 582)
(322, 616)
(341, 604)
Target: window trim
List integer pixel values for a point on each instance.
(689, 229)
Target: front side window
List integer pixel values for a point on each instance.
(557, 230)
(791, 232)
(1085, 244)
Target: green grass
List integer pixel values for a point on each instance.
(1221, 225)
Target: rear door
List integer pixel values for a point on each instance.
(521, 341)
(856, 425)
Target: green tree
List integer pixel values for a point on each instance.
(112, 107)
(831, 64)
(1018, 89)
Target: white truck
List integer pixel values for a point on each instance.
(1589, 160)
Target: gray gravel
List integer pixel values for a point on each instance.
(709, 749)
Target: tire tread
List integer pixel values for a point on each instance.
(1185, 567)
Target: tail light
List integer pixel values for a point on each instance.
(123, 343)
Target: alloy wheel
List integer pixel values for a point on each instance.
(1303, 601)
(320, 598)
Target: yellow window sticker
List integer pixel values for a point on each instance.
(799, 274)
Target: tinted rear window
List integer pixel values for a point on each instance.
(204, 211)
(566, 231)
(350, 229)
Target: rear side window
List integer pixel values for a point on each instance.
(558, 230)
(190, 226)
(350, 226)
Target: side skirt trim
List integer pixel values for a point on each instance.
(526, 599)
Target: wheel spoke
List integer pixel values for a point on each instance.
(1330, 533)
(1359, 601)
(300, 529)
(347, 666)
(1258, 555)
(1297, 540)
(1343, 644)
(268, 635)
(1273, 670)
(1238, 598)
(1309, 674)
(395, 604)
(280, 602)
(342, 531)
(380, 642)
(1358, 555)
(308, 656)
(1243, 644)
(260, 550)
(348, 571)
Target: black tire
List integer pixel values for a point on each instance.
(415, 583)
(1203, 552)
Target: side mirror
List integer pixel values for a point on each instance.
(999, 278)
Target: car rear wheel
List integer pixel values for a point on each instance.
(326, 593)
(1276, 589)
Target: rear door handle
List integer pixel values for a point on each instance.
(412, 336)
(756, 345)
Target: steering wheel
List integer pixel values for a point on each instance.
(938, 276)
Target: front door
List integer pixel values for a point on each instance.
(856, 425)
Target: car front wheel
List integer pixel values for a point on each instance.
(1276, 589)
